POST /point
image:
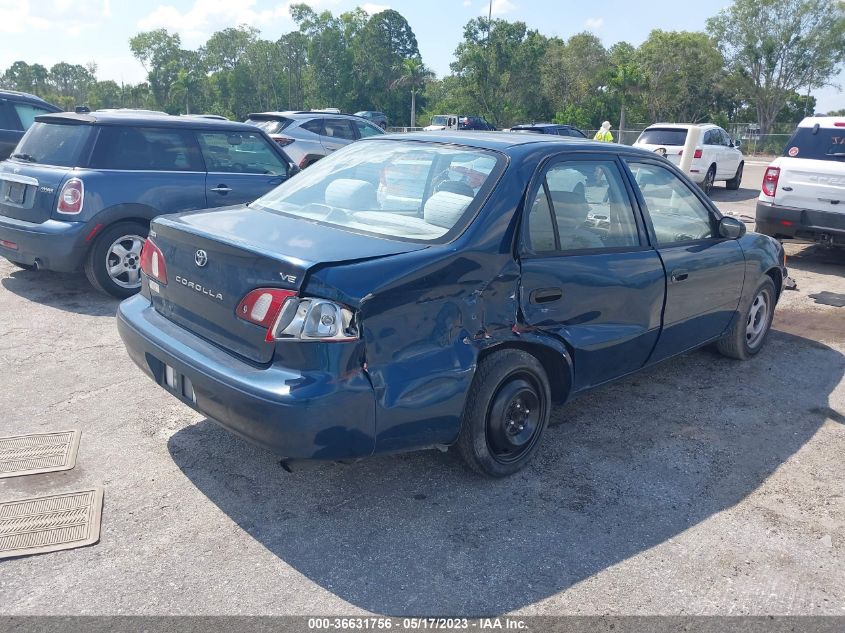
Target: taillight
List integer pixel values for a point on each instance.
(770, 181)
(71, 197)
(697, 154)
(839, 123)
(152, 262)
(283, 140)
(289, 317)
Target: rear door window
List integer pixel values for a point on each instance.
(366, 129)
(821, 144)
(27, 113)
(663, 136)
(240, 153)
(314, 126)
(338, 128)
(146, 149)
(8, 118)
(54, 144)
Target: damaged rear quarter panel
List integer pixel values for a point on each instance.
(426, 315)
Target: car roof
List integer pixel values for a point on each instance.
(509, 141)
(303, 114)
(681, 126)
(529, 125)
(827, 122)
(26, 97)
(143, 119)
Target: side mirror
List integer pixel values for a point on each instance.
(731, 228)
(737, 143)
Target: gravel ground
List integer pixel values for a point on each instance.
(701, 486)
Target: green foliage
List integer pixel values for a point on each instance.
(755, 62)
(777, 47)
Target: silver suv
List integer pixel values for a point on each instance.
(308, 136)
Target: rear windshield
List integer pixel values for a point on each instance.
(663, 136)
(271, 126)
(53, 144)
(401, 189)
(823, 144)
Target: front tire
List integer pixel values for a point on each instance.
(750, 330)
(113, 264)
(733, 183)
(506, 412)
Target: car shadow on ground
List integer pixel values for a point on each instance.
(720, 194)
(622, 469)
(64, 291)
(815, 258)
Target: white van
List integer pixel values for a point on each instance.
(717, 156)
(803, 191)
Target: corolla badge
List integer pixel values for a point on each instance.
(197, 287)
(201, 258)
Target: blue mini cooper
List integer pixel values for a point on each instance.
(431, 290)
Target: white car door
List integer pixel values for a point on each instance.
(732, 155)
(711, 152)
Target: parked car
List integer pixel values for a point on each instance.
(803, 191)
(80, 189)
(717, 156)
(474, 123)
(325, 321)
(379, 118)
(17, 113)
(329, 320)
(308, 136)
(549, 128)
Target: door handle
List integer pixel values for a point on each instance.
(679, 275)
(221, 189)
(545, 295)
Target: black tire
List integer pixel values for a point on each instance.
(738, 342)
(506, 412)
(96, 262)
(709, 180)
(733, 183)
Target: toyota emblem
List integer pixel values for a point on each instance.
(201, 258)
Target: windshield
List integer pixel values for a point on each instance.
(663, 136)
(271, 126)
(440, 120)
(400, 189)
(824, 144)
(53, 144)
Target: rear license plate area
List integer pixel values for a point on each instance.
(14, 192)
(178, 384)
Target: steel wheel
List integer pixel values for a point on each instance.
(514, 418)
(759, 315)
(123, 261)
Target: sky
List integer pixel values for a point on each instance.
(83, 31)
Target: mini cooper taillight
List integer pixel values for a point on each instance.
(288, 317)
(152, 262)
(770, 181)
(71, 197)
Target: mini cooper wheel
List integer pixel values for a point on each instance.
(750, 329)
(506, 413)
(113, 264)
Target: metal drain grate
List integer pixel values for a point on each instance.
(48, 524)
(39, 453)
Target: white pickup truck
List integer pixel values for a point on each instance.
(442, 122)
(803, 191)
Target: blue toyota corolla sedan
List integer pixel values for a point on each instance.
(432, 290)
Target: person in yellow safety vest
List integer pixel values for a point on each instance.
(604, 134)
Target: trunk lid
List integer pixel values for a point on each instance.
(245, 248)
(812, 185)
(28, 191)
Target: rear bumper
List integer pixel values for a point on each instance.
(58, 246)
(791, 223)
(295, 414)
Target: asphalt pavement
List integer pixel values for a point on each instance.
(701, 486)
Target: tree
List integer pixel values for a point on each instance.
(680, 69)
(160, 54)
(779, 47)
(414, 75)
(626, 80)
